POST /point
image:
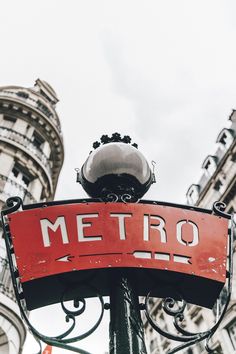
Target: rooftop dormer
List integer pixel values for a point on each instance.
(225, 138)
(193, 194)
(209, 165)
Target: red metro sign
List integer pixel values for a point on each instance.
(60, 245)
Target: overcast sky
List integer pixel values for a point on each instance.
(163, 72)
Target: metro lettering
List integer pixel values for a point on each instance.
(59, 223)
(179, 235)
(150, 222)
(121, 220)
(159, 227)
(81, 225)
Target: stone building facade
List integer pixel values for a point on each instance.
(31, 157)
(217, 183)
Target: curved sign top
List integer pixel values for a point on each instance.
(60, 239)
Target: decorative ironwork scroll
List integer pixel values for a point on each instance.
(123, 194)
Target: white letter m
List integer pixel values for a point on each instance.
(46, 224)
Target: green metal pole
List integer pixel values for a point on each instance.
(126, 327)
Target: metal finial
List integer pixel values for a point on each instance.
(115, 138)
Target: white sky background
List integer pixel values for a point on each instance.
(163, 72)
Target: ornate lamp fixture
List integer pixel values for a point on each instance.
(92, 248)
(116, 170)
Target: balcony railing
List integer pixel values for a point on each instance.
(6, 286)
(9, 188)
(27, 143)
(33, 100)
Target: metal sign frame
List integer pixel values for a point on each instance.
(188, 338)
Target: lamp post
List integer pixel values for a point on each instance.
(117, 171)
(117, 245)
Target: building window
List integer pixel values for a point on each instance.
(225, 138)
(23, 94)
(233, 157)
(20, 177)
(210, 165)
(8, 122)
(218, 185)
(207, 165)
(232, 333)
(193, 194)
(37, 140)
(42, 93)
(189, 351)
(219, 349)
(18, 182)
(44, 109)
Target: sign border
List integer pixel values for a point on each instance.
(15, 203)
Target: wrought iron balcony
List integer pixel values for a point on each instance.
(6, 287)
(11, 188)
(21, 139)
